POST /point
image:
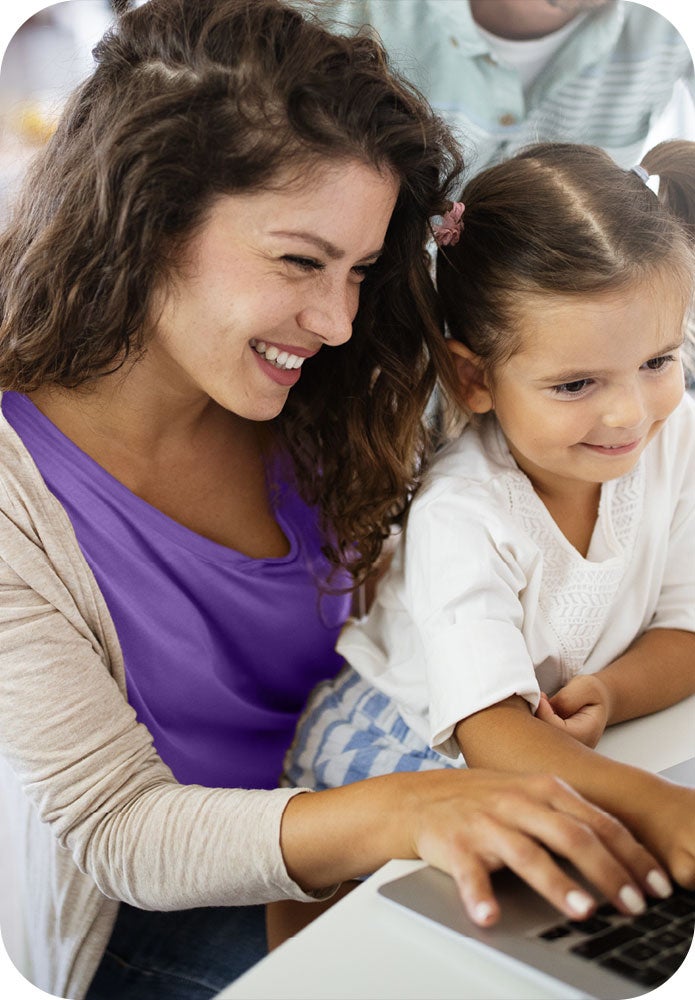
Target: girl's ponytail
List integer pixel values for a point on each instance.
(674, 162)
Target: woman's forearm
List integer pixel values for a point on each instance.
(468, 823)
(343, 833)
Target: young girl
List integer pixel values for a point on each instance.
(544, 587)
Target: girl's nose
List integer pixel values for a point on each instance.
(626, 408)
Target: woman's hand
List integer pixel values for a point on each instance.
(580, 708)
(517, 821)
(666, 821)
(470, 823)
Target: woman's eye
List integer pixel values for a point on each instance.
(657, 364)
(362, 270)
(304, 263)
(310, 264)
(572, 388)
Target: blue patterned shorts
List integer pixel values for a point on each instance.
(350, 730)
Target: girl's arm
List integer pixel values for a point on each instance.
(656, 671)
(508, 736)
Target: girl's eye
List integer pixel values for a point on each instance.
(658, 364)
(572, 388)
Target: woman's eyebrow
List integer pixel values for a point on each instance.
(329, 249)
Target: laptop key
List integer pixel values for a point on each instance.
(553, 933)
(603, 943)
(651, 920)
(593, 925)
(645, 976)
(670, 938)
(676, 906)
(653, 901)
(640, 952)
(619, 965)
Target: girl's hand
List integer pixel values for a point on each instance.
(580, 709)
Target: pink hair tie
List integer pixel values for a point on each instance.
(447, 232)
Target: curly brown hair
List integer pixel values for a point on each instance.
(193, 99)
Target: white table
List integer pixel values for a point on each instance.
(365, 948)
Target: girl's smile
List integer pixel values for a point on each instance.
(614, 449)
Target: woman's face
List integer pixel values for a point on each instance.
(270, 279)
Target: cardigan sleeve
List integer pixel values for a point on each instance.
(89, 767)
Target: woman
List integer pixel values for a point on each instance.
(191, 478)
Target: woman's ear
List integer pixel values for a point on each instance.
(475, 392)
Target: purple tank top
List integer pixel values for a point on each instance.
(220, 650)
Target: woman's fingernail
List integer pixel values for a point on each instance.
(579, 902)
(482, 912)
(631, 900)
(659, 884)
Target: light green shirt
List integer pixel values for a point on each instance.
(606, 85)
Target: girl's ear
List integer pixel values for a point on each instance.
(475, 392)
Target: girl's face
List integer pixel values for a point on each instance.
(270, 279)
(592, 383)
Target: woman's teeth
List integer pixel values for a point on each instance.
(280, 359)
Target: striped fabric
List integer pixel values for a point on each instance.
(608, 84)
(349, 731)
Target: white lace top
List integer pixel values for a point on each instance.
(487, 598)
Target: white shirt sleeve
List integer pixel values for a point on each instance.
(467, 570)
(676, 603)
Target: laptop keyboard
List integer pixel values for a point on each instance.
(646, 949)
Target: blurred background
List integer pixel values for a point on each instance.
(51, 52)
(46, 58)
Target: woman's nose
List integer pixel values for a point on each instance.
(330, 313)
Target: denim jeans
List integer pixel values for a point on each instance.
(182, 955)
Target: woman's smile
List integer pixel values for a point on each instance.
(280, 362)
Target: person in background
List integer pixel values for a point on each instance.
(505, 73)
(218, 333)
(544, 585)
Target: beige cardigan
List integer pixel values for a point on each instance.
(97, 817)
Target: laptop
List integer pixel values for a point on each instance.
(609, 956)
